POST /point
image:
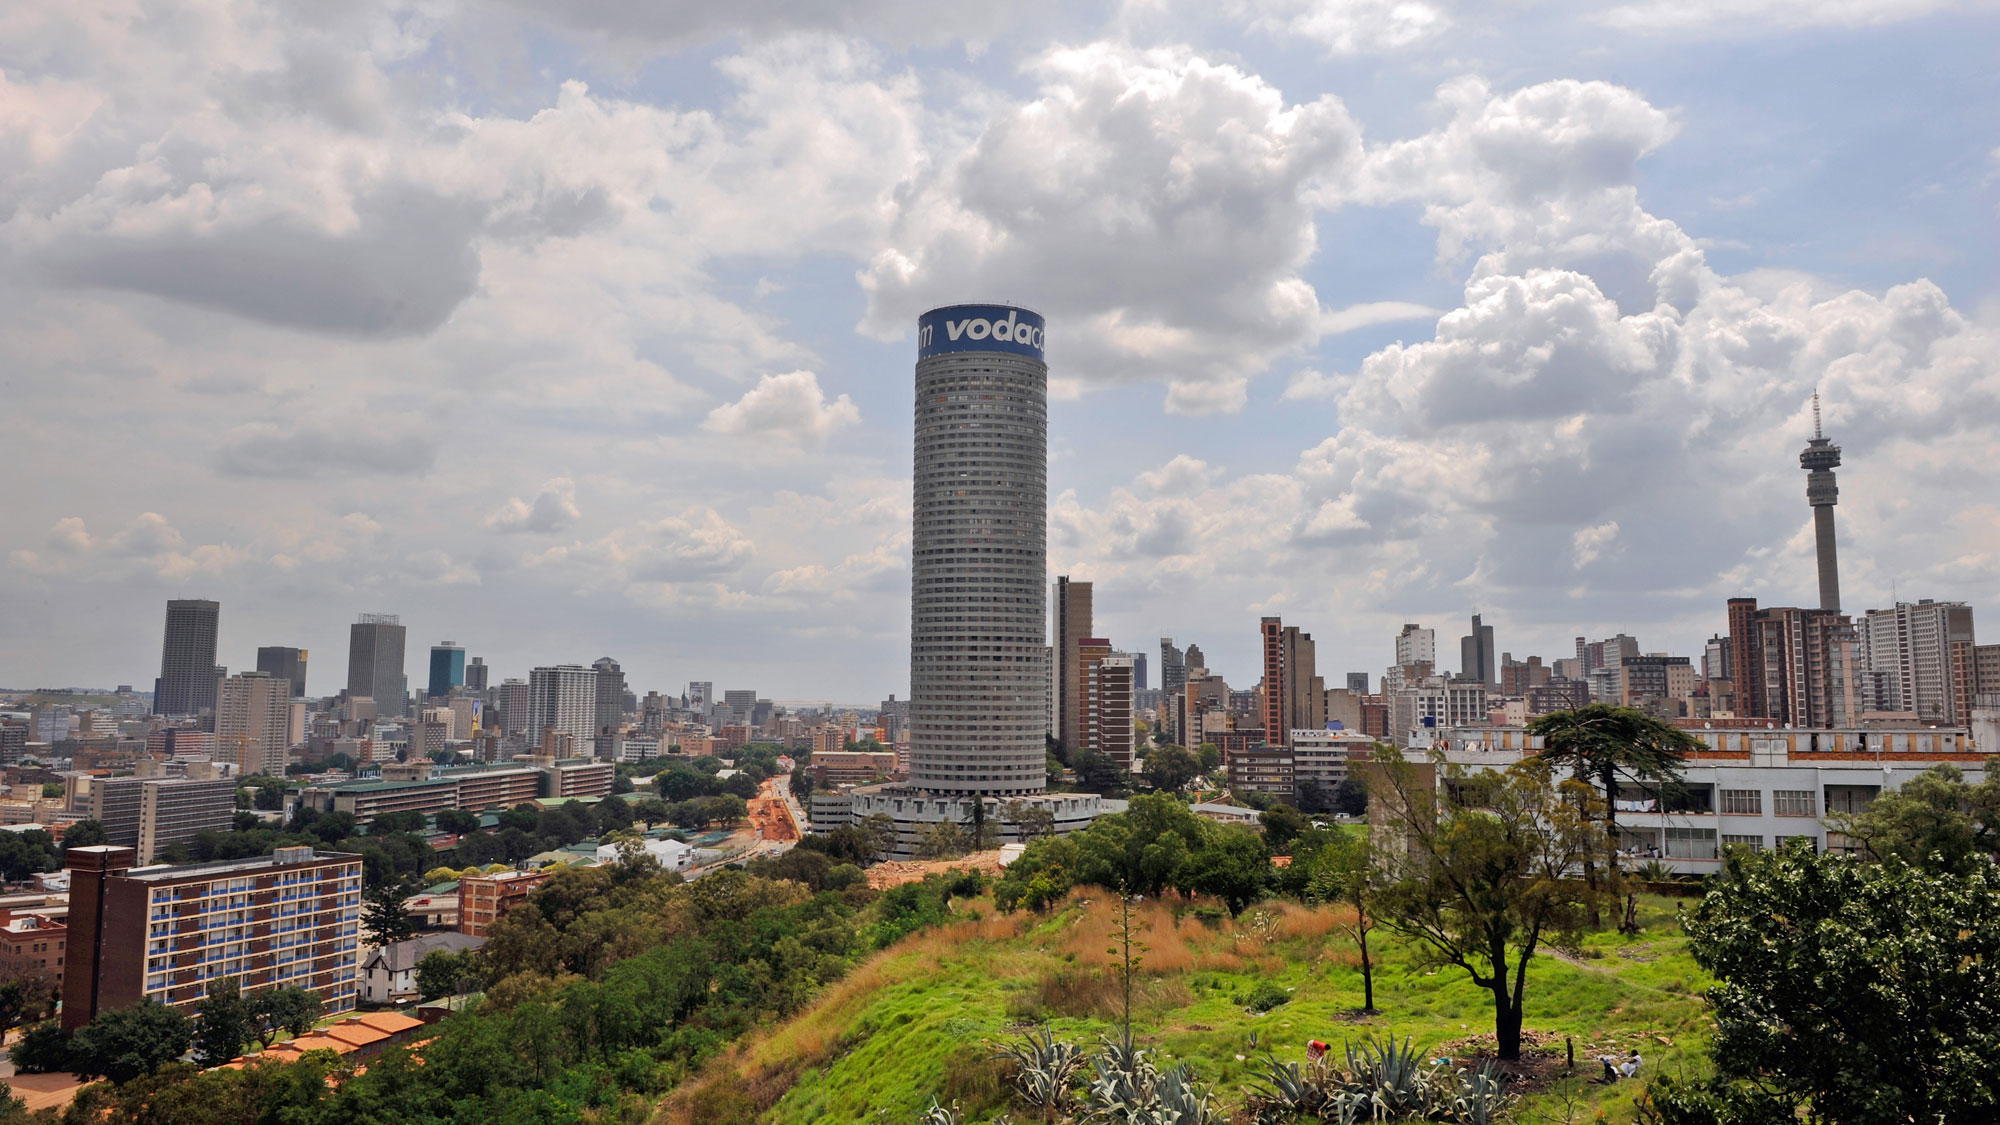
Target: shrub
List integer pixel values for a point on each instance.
(1265, 997)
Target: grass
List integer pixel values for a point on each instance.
(921, 1018)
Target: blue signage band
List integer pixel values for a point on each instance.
(980, 328)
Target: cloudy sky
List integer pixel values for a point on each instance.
(564, 335)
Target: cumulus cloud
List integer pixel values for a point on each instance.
(1156, 205)
(698, 544)
(686, 22)
(1347, 27)
(552, 509)
(148, 545)
(365, 447)
(1549, 424)
(786, 408)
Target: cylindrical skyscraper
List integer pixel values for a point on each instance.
(978, 558)
(1819, 458)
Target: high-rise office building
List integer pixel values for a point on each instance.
(610, 708)
(1919, 658)
(447, 670)
(1196, 660)
(1138, 671)
(514, 706)
(1357, 683)
(1271, 633)
(700, 695)
(1819, 458)
(1802, 667)
(475, 676)
(1477, 662)
(563, 699)
(1071, 604)
(979, 552)
(1173, 668)
(1294, 691)
(1108, 706)
(253, 723)
(1416, 645)
(286, 664)
(188, 672)
(375, 647)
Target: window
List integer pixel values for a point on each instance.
(1753, 843)
(1691, 843)
(1743, 802)
(1794, 802)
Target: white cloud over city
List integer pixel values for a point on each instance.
(566, 333)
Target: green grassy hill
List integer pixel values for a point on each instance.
(922, 1017)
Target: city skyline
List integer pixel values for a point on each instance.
(1510, 313)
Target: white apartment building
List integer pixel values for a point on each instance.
(563, 698)
(1750, 788)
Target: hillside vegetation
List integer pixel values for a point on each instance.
(923, 1018)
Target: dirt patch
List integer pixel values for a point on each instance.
(1542, 1063)
(896, 872)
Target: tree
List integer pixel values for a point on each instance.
(1032, 820)
(802, 785)
(458, 822)
(278, 1010)
(442, 973)
(1282, 824)
(385, 918)
(1343, 871)
(52, 790)
(1848, 992)
(1350, 798)
(1232, 865)
(42, 1049)
(221, 1023)
(84, 834)
(944, 840)
(25, 999)
(1170, 768)
(1096, 772)
(1210, 756)
(126, 1043)
(1935, 818)
(983, 834)
(24, 853)
(270, 797)
(1599, 741)
(1483, 875)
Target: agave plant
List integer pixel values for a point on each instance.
(939, 1114)
(1183, 1101)
(1394, 1078)
(1044, 1068)
(1478, 1098)
(1284, 1091)
(1127, 1089)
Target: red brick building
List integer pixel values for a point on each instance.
(288, 919)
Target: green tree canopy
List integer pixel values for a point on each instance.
(1170, 768)
(1934, 818)
(1847, 992)
(221, 1023)
(125, 1043)
(277, 1010)
(1483, 877)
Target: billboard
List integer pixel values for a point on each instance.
(980, 328)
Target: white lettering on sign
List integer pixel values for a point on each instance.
(1011, 330)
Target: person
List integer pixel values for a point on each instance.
(1316, 1050)
(1630, 1067)
(1610, 1069)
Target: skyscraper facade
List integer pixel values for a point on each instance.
(253, 722)
(375, 644)
(1919, 659)
(1416, 645)
(563, 699)
(286, 664)
(475, 676)
(1173, 668)
(447, 670)
(1072, 608)
(1477, 662)
(979, 552)
(188, 673)
(610, 708)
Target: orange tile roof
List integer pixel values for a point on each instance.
(317, 1042)
(355, 1032)
(391, 1022)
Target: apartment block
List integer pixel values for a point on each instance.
(292, 918)
(31, 944)
(1266, 769)
(485, 899)
(151, 814)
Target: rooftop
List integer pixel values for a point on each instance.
(161, 872)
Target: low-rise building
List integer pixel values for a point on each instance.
(485, 899)
(1754, 786)
(672, 855)
(851, 767)
(1265, 769)
(31, 944)
(389, 974)
(829, 809)
(1321, 756)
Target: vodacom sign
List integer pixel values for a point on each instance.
(980, 328)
